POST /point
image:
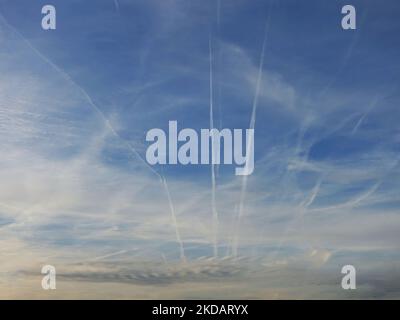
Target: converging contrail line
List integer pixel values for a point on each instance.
(213, 183)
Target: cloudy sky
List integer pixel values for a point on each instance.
(77, 193)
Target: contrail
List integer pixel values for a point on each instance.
(173, 215)
(314, 194)
(371, 106)
(67, 77)
(109, 255)
(359, 199)
(301, 210)
(346, 58)
(218, 14)
(116, 5)
(304, 206)
(354, 201)
(219, 70)
(250, 141)
(106, 122)
(213, 184)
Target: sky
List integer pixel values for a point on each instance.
(77, 193)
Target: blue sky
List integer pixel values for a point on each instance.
(75, 106)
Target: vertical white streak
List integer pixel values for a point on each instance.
(218, 14)
(116, 5)
(250, 141)
(213, 183)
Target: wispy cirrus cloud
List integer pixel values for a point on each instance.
(76, 193)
